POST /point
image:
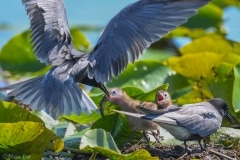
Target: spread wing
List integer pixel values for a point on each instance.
(51, 37)
(133, 29)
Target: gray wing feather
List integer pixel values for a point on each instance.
(200, 120)
(51, 37)
(154, 117)
(171, 108)
(161, 119)
(66, 97)
(134, 29)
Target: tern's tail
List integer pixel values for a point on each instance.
(49, 94)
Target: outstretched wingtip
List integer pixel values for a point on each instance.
(54, 97)
(133, 30)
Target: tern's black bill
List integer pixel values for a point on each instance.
(230, 117)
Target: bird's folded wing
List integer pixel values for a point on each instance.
(202, 125)
(159, 112)
(196, 123)
(160, 119)
(50, 32)
(153, 117)
(133, 29)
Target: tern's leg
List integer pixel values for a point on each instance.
(202, 148)
(157, 136)
(187, 150)
(146, 137)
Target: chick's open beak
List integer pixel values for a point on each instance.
(160, 97)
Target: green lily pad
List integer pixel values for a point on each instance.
(16, 133)
(209, 42)
(99, 138)
(83, 118)
(79, 40)
(17, 55)
(195, 66)
(117, 125)
(101, 142)
(139, 154)
(209, 16)
(236, 89)
(24, 133)
(146, 75)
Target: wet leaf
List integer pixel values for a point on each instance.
(133, 91)
(147, 75)
(23, 132)
(208, 44)
(187, 32)
(178, 85)
(209, 16)
(79, 40)
(198, 93)
(17, 55)
(226, 3)
(11, 112)
(73, 140)
(221, 81)
(83, 118)
(195, 65)
(231, 58)
(139, 154)
(99, 138)
(101, 142)
(156, 54)
(12, 134)
(236, 89)
(56, 145)
(117, 125)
